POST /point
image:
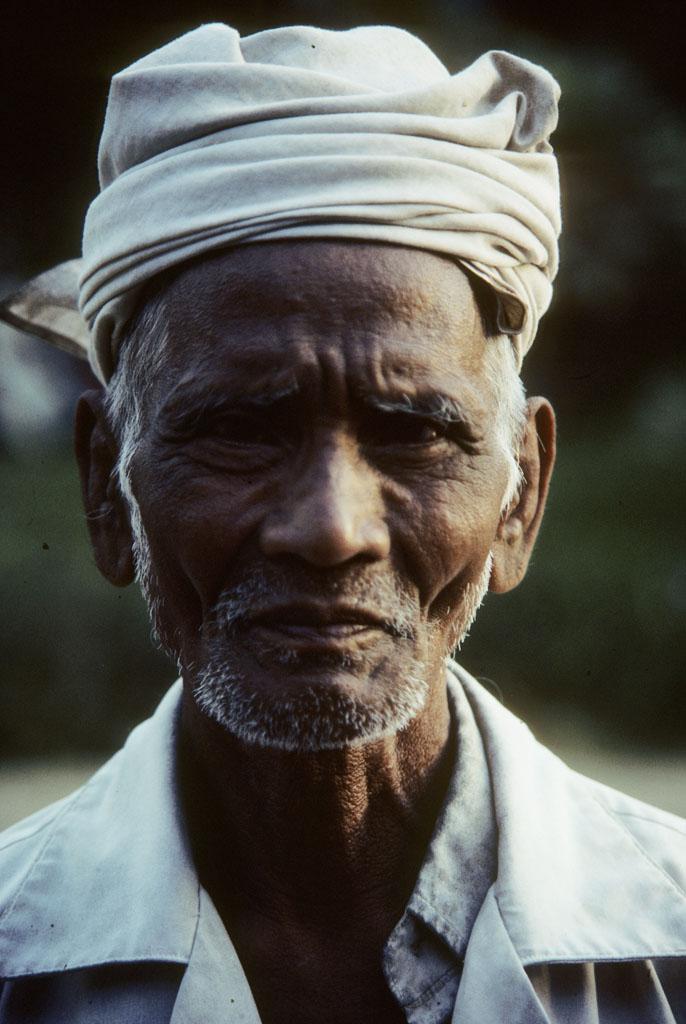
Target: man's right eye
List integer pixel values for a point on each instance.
(243, 431)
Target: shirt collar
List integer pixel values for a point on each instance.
(423, 956)
(111, 877)
(573, 883)
(460, 862)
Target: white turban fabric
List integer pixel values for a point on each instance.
(215, 140)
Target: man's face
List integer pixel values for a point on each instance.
(320, 480)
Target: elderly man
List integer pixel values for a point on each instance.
(315, 265)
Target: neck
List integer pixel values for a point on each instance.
(330, 837)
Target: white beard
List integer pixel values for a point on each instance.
(317, 717)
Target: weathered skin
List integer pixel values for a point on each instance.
(315, 854)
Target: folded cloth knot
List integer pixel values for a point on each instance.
(215, 140)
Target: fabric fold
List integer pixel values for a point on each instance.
(293, 133)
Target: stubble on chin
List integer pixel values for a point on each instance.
(312, 701)
(324, 715)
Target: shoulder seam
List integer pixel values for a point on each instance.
(31, 835)
(652, 821)
(672, 882)
(40, 852)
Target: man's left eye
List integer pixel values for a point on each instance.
(404, 429)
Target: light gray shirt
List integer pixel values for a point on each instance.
(543, 897)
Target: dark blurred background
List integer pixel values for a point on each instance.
(593, 642)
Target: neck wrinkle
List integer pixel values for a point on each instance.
(331, 837)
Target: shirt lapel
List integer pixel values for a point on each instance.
(494, 985)
(214, 989)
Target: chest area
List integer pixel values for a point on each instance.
(313, 981)
(323, 998)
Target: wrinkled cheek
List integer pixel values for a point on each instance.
(177, 572)
(455, 549)
(193, 552)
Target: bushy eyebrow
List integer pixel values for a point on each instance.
(434, 406)
(187, 405)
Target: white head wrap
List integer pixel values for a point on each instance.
(214, 140)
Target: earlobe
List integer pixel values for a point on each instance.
(107, 515)
(519, 525)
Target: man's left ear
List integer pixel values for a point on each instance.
(519, 525)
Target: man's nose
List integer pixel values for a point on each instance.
(332, 513)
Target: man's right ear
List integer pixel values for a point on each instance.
(107, 513)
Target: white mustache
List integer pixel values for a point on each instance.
(386, 599)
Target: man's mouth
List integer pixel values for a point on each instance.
(304, 626)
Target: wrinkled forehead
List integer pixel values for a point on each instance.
(327, 288)
(316, 319)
